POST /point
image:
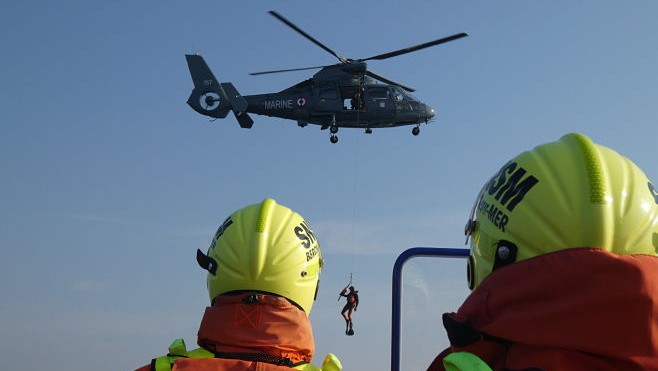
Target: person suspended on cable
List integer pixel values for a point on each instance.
(352, 296)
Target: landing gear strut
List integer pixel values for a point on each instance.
(333, 129)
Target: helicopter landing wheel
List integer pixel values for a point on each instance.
(333, 129)
(415, 131)
(368, 131)
(333, 139)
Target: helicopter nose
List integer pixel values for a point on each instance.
(429, 112)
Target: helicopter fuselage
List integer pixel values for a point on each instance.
(344, 94)
(353, 106)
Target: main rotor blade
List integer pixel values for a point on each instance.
(383, 79)
(316, 42)
(286, 70)
(415, 48)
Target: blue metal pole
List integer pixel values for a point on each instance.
(397, 290)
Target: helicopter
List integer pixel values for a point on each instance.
(345, 94)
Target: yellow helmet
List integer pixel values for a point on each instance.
(565, 194)
(264, 247)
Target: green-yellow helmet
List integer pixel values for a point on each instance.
(264, 247)
(565, 194)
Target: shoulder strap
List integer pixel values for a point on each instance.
(177, 349)
(330, 363)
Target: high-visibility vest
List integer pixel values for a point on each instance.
(200, 359)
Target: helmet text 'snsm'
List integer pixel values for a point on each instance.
(307, 238)
(220, 231)
(509, 190)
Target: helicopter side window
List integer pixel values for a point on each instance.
(328, 94)
(378, 93)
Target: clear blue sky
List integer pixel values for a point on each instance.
(110, 181)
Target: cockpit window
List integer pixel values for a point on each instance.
(411, 97)
(400, 94)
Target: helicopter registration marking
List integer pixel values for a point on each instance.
(278, 104)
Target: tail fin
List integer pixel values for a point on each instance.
(210, 98)
(202, 76)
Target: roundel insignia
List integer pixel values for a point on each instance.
(209, 101)
(301, 102)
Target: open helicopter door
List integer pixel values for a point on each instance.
(435, 286)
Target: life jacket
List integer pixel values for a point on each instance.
(351, 296)
(179, 359)
(249, 331)
(576, 310)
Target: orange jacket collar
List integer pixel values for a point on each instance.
(582, 306)
(270, 325)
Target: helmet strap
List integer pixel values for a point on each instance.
(470, 272)
(505, 254)
(206, 262)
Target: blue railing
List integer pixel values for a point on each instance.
(397, 290)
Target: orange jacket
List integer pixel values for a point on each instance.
(571, 310)
(251, 332)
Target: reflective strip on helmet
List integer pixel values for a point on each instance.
(593, 166)
(265, 208)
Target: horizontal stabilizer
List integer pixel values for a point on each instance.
(243, 119)
(238, 103)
